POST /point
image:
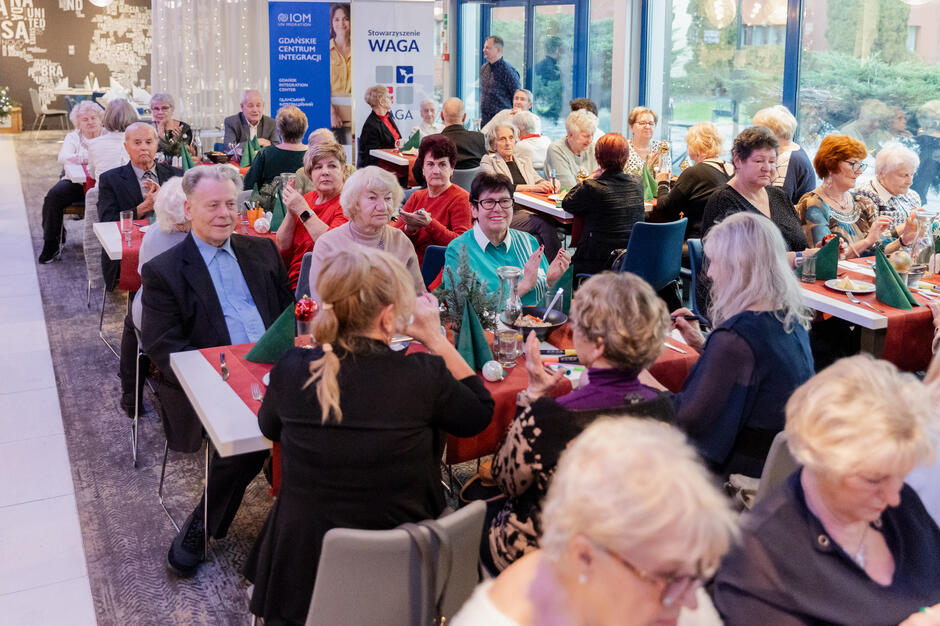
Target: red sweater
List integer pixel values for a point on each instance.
(332, 215)
(450, 216)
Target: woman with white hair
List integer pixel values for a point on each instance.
(86, 117)
(429, 124)
(757, 353)
(170, 228)
(531, 144)
(368, 199)
(172, 135)
(632, 527)
(890, 189)
(572, 156)
(379, 130)
(843, 540)
(794, 169)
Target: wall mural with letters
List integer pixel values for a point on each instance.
(44, 42)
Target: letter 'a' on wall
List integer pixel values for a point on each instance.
(393, 45)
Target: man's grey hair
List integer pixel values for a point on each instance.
(220, 173)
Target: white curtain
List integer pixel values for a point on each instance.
(206, 52)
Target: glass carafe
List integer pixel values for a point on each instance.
(510, 305)
(922, 249)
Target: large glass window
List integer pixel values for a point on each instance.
(471, 57)
(552, 74)
(601, 58)
(869, 70)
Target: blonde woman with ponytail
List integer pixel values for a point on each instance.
(360, 425)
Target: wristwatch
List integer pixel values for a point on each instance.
(306, 215)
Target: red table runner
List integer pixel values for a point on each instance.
(909, 333)
(400, 171)
(129, 279)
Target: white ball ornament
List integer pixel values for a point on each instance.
(493, 371)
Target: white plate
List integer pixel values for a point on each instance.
(556, 196)
(266, 379)
(144, 229)
(860, 286)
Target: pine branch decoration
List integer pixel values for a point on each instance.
(466, 286)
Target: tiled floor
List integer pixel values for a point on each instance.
(43, 579)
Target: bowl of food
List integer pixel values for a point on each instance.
(217, 157)
(533, 318)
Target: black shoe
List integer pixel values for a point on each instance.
(127, 404)
(50, 252)
(186, 551)
(63, 236)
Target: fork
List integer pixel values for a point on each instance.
(855, 300)
(256, 392)
(224, 366)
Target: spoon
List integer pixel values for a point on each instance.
(551, 304)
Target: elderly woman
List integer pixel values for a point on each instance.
(531, 144)
(644, 152)
(379, 130)
(690, 192)
(333, 438)
(794, 170)
(571, 157)
(890, 191)
(844, 540)
(519, 170)
(616, 548)
(429, 124)
(107, 151)
(315, 212)
(368, 200)
(172, 135)
(284, 157)
(73, 156)
(491, 243)
(437, 215)
(834, 208)
(757, 353)
(609, 203)
(618, 326)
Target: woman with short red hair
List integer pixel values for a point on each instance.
(834, 207)
(610, 203)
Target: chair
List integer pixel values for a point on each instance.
(778, 466)
(91, 245)
(303, 279)
(464, 178)
(41, 112)
(695, 265)
(407, 194)
(463, 530)
(432, 264)
(654, 252)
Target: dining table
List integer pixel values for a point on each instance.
(396, 162)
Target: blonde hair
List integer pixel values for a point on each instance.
(354, 286)
(637, 112)
(291, 124)
(371, 178)
(624, 311)
(756, 272)
(778, 120)
(119, 115)
(704, 139)
(582, 121)
(861, 413)
(168, 205)
(665, 503)
(374, 94)
(323, 149)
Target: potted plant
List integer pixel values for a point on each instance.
(11, 120)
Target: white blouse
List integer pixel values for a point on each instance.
(106, 152)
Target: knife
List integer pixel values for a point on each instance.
(224, 366)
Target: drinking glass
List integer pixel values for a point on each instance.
(809, 269)
(127, 224)
(506, 347)
(288, 180)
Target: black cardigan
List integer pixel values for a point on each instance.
(374, 135)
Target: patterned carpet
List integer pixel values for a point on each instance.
(125, 532)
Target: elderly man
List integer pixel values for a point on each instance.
(498, 80)
(251, 122)
(521, 101)
(214, 288)
(471, 145)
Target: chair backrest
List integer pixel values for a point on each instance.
(654, 252)
(778, 466)
(407, 194)
(242, 197)
(35, 101)
(303, 279)
(90, 244)
(695, 266)
(432, 264)
(464, 178)
(365, 577)
(463, 530)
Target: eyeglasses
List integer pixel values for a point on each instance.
(674, 586)
(645, 124)
(857, 166)
(161, 108)
(489, 204)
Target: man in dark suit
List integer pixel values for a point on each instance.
(251, 122)
(215, 288)
(471, 145)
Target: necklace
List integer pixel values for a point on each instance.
(859, 556)
(839, 209)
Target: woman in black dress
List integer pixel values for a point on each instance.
(379, 130)
(610, 203)
(361, 426)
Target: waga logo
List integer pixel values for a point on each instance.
(404, 74)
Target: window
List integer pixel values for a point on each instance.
(470, 57)
(601, 58)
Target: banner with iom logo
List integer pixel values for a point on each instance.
(299, 41)
(393, 46)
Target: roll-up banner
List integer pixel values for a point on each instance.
(299, 36)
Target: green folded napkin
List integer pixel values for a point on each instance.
(414, 142)
(472, 343)
(278, 339)
(889, 287)
(186, 159)
(650, 188)
(250, 152)
(827, 260)
(936, 245)
(278, 213)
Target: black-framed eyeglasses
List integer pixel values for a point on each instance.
(857, 166)
(489, 203)
(672, 586)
